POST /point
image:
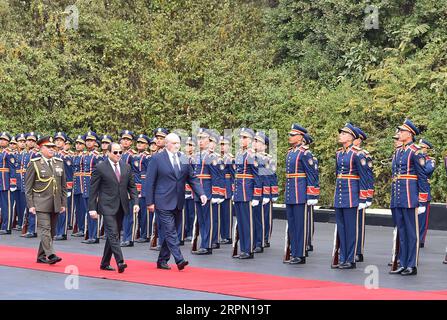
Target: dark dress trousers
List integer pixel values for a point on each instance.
(165, 187)
(111, 199)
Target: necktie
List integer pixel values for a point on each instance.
(49, 164)
(117, 173)
(176, 168)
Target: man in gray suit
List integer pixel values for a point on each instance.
(46, 196)
(112, 189)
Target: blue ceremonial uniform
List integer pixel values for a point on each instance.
(429, 169)
(79, 209)
(247, 187)
(370, 184)
(64, 218)
(89, 162)
(207, 169)
(410, 192)
(351, 189)
(30, 222)
(226, 207)
(140, 163)
(301, 186)
(130, 220)
(7, 165)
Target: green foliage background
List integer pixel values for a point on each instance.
(139, 64)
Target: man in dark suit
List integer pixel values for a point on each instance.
(167, 173)
(112, 187)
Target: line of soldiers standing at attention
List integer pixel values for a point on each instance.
(244, 185)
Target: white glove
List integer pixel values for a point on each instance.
(265, 201)
(219, 201)
(274, 199)
(214, 200)
(12, 189)
(421, 209)
(188, 196)
(362, 206)
(368, 204)
(254, 203)
(68, 194)
(312, 202)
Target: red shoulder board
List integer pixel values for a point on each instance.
(415, 148)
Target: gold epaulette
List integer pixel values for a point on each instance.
(58, 159)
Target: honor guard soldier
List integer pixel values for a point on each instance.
(208, 171)
(64, 219)
(20, 176)
(370, 181)
(139, 166)
(397, 145)
(156, 236)
(260, 144)
(7, 164)
(247, 194)
(227, 207)
(308, 140)
(429, 169)
(129, 221)
(152, 146)
(189, 209)
(351, 194)
(79, 208)
(13, 187)
(46, 196)
(302, 191)
(29, 229)
(89, 162)
(410, 197)
(106, 140)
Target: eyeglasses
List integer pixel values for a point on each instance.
(117, 152)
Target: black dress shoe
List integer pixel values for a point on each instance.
(359, 258)
(245, 255)
(267, 245)
(30, 235)
(297, 260)
(5, 232)
(107, 268)
(182, 265)
(310, 248)
(397, 271)
(215, 246)
(61, 237)
(225, 241)
(90, 241)
(182, 243)
(258, 250)
(445, 261)
(188, 238)
(42, 260)
(421, 245)
(163, 265)
(142, 240)
(306, 254)
(409, 272)
(203, 251)
(347, 265)
(54, 259)
(127, 244)
(18, 228)
(121, 267)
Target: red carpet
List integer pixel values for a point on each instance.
(233, 283)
